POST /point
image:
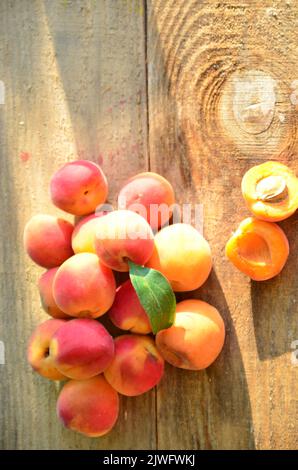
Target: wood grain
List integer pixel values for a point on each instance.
(215, 83)
(220, 76)
(74, 74)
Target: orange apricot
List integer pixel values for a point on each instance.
(123, 235)
(270, 191)
(182, 255)
(259, 249)
(149, 194)
(83, 235)
(195, 339)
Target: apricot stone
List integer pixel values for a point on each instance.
(90, 407)
(270, 191)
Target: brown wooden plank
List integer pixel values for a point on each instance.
(204, 58)
(74, 73)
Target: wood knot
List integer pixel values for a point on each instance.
(253, 101)
(255, 113)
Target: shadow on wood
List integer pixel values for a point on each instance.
(274, 304)
(209, 409)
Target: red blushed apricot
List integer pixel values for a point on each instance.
(90, 407)
(182, 255)
(84, 287)
(270, 191)
(79, 187)
(195, 339)
(137, 365)
(83, 236)
(45, 287)
(127, 312)
(123, 235)
(47, 240)
(153, 193)
(38, 349)
(82, 348)
(259, 249)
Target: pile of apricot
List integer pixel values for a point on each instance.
(79, 287)
(259, 247)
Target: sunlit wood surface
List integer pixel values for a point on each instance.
(198, 91)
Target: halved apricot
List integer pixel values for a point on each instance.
(259, 249)
(270, 191)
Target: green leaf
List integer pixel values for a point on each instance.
(155, 294)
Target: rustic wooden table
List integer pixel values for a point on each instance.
(198, 91)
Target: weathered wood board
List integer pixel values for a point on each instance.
(198, 91)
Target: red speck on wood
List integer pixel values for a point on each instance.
(111, 156)
(25, 156)
(100, 159)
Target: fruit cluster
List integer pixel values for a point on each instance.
(79, 287)
(259, 247)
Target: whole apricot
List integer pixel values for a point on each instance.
(149, 194)
(127, 312)
(47, 240)
(79, 187)
(82, 348)
(45, 287)
(123, 235)
(137, 366)
(83, 236)
(38, 352)
(84, 287)
(182, 255)
(90, 407)
(195, 339)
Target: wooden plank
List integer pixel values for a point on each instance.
(75, 80)
(74, 74)
(221, 78)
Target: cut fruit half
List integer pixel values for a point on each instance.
(270, 191)
(259, 249)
